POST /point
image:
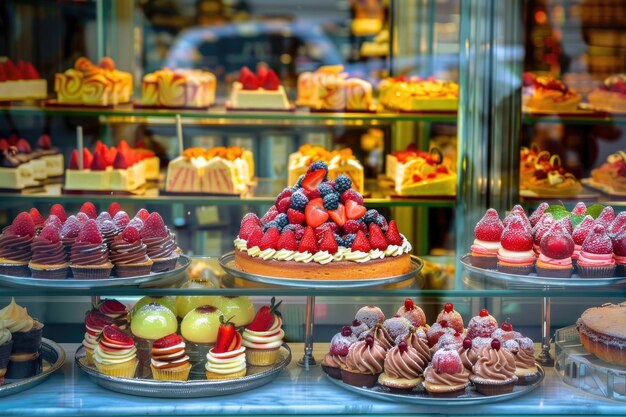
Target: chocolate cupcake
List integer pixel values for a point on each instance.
(90, 258)
(161, 246)
(49, 260)
(129, 254)
(15, 246)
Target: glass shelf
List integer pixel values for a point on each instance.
(438, 279)
(576, 118)
(294, 392)
(218, 115)
(264, 192)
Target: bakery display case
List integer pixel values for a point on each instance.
(337, 158)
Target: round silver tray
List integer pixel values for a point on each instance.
(154, 279)
(585, 371)
(535, 280)
(420, 396)
(227, 261)
(256, 376)
(53, 358)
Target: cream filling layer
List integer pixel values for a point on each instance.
(114, 357)
(226, 363)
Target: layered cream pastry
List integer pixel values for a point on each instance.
(329, 88)
(416, 172)
(416, 94)
(258, 91)
(21, 81)
(178, 88)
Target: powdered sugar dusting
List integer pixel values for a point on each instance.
(397, 326)
(489, 228)
(481, 326)
(370, 315)
(598, 241)
(340, 344)
(511, 345)
(582, 230)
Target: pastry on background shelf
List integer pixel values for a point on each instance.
(93, 85)
(21, 81)
(15, 246)
(610, 95)
(549, 178)
(260, 91)
(21, 166)
(330, 89)
(417, 94)
(601, 331)
(178, 88)
(219, 170)
(612, 174)
(545, 93)
(319, 229)
(338, 162)
(421, 173)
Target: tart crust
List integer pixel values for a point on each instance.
(602, 332)
(334, 271)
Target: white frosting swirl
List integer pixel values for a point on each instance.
(16, 318)
(357, 256)
(377, 254)
(304, 257)
(114, 356)
(285, 255)
(267, 254)
(5, 334)
(270, 339)
(323, 257)
(254, 251)
(240, 244)
(227, 362)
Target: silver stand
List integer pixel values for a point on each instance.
(308, 360)
(545, 358)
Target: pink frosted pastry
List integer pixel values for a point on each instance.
(397, 326)
(596, 255)
(370, 315)
(580, 234)
(437, 330)
(452, 316)
(413, 313)
(337, 353)
(482, 325)
(446, 376)
(487, 240)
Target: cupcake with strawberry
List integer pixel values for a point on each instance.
(48, 260)
(338, 351)
(161, 246)
(95, 322)
(89, 258)
(516, 256)
(540, 229)
(596, 255)
(116, 354)
(452, 317)
(619, 252)
(487, 240)
(555, 258)
(264, 336)
(15, 246)
(169, 360)
(227, 359)
(446, 376)
(413, 313)
(579, 235)
(129, 255)
(482, 325)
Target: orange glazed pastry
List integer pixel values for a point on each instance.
(320, 229)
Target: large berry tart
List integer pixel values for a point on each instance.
(320, 229)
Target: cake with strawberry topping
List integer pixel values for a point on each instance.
(160, 244)
(48, 260)
(545, 93)
(446, 376)
(555, 257)
(609, 96)
(21, 81)
(227, 359)
(260, 91)
(339, 162)
(596, 255)
(95, 322)
(319, 229)
(611, 175)
(169, 359)
(516, 256)
(263, 337)
(415, 172)
(15, 246)
(116, 311)
(486, 244)
(89, 258)
(338, 351)
(116, 354)
(601, 331)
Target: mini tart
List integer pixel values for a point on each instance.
(342, 270)
(602, 332)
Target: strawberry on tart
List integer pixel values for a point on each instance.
(319, 229)
(596, 255)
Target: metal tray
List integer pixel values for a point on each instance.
(513, 280)
(420, 397)
(256, 377)
(583, 370)
(53, 357)
(154, 279)
(227, 262)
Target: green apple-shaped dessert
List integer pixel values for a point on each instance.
(186, 303)
(153, 321)
(240, 309)
(200, 325)
(168, 301)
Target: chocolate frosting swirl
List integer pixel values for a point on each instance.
(454, 381)
(85, 253)
(15, 248)
(468, 357)
(381, 335)
(108, 231)
(160, 247)
(494, 365)
(419, 344)
(525, 358)
(124, 253)
(47, 253)
(364, 359)
(333, 361)
(408, 364)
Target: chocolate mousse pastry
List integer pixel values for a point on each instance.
(15, 246)
(602, 332)
(129, 254)
(161, 246)
(90, 258)
(48, 260)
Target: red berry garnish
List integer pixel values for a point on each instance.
(507, 327)
(90, 233)
(89, 209)
(23, 225)
(403, 347)
(495, 344)
(443, 323)
(154, 227)
(51, 234)
(346, 331)
(409, 304)
(483, 313)
(369, 340)
(393, 235)
(489, 228)
(130, 234)
(467, 343)
(448, 307)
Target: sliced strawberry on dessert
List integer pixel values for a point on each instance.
(581, 231)
(270, 239)
(113, 337)
(227, 337)
(89, 209)
(313, 179)
(287, 241)
(557, 243)
(154, 227)
(23, 225)
(114, 208)
(121, 161)
(338, 215)
(143, 214)
(536, 215)
(354, 210)
(265, 317)
(377, 238)
(361, 243)
(36, 216)
(255, 237)
(248, 79)
(286, 192)
(516, 236)
(580, 209)
(393, 235)
(261, 72)
(314, 213)
(308, 243)
(489, 228)
(112, 307)
(168, 342)
(328, 243)
(271, 81)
